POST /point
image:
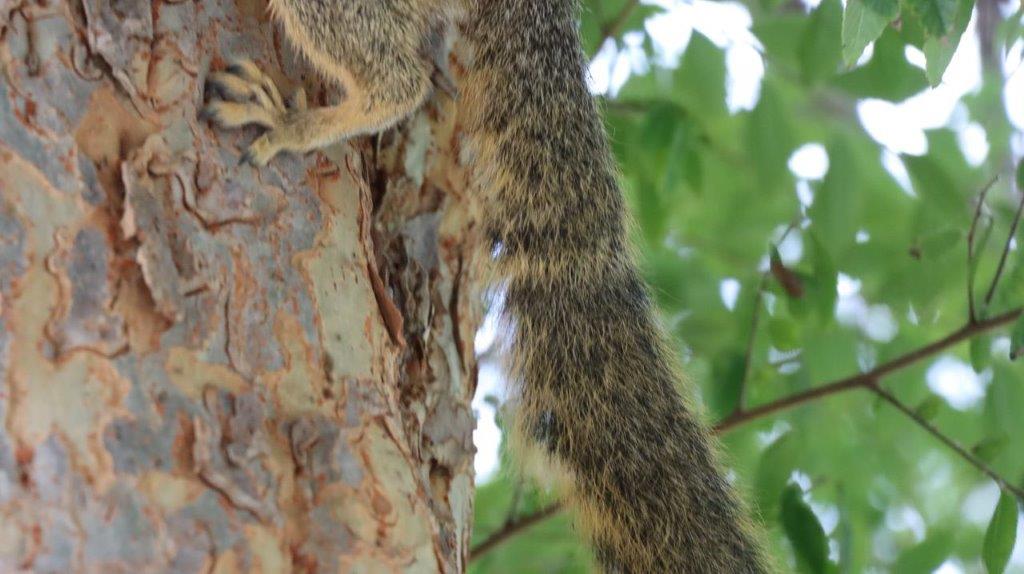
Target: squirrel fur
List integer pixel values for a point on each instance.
(595, 380)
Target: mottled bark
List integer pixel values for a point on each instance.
(205, 367)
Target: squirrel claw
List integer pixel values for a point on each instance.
(243, 95)
(254, 83)
(259, 152)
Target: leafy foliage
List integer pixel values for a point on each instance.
(804, 532)
(845, 270)
(1001, 534)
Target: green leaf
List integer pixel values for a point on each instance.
(666, 146)
(863, 22)
(804, 531)
(926, 556)
(936, 16)
(939, 49)
(682, 161)
(1001, 534)
(594, 23)
(781, 34)
(939, 243)
(821, 286)
(981, 352)
(1020, 175)
(820, 50)
(991, 447)
(929, 407)
(773, 471)
(785, 333)
(936, 181)
(727, 371)
(829, 353)
(1017, 339)
(659, 141)
(888, 75)
(836, 211)
(1004, 401)
(1012, 27)
(699, 81)
(659, 128)
(770, 139)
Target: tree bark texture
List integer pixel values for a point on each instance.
(207, 367)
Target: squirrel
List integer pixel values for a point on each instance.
(594, 377)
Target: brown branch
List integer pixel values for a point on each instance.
(863, 379)
(971, 311)
(952, 444)
(868, 380)
(511, 529)
(1006, 250)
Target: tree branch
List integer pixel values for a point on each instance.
(863, 379)
(511, 529)
(952, 444)
(868, 380)
(1006, 250)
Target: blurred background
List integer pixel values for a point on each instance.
(812, 184)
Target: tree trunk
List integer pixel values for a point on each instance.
(208, 367)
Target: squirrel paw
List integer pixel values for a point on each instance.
(243, 95)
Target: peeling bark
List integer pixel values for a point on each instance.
(207, 367)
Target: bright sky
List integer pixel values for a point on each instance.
(899, 128)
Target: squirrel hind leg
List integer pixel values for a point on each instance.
(374, 49)
(243, 95)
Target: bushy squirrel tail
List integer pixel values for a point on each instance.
(596, 385)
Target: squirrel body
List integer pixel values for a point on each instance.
(593, 374)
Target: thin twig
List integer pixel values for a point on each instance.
(971, 311)
(511, 529)
(868, 380)
(952, 444)
(1006, 250)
